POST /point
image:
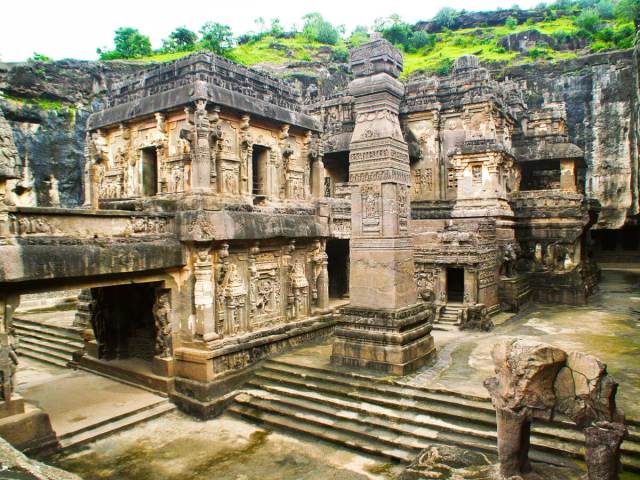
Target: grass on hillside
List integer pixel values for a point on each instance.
(448, 45)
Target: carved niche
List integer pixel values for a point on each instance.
(371, 206)
(265, 290)
(229, 160)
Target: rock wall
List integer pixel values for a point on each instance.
(47, 105)
(602, 101)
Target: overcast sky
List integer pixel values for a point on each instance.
(75, 28)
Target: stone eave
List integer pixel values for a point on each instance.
(537, 150)
(187, 94)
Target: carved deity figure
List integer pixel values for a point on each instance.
(54, 193)
(508, 260)
(161, 311)
(8, 367)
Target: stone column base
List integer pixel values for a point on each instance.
(397, 342)
(165, 367)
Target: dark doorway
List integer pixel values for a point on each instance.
(455, 284)
(336, 168)
(122, 321)
(338, 267)
(149, 172)
(259, 167)
(540, 175)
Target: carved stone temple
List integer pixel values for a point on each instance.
(226, 218)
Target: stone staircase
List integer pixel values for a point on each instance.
(395, 421)
(47, 343)
(450, 314)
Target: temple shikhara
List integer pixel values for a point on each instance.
(228, 216)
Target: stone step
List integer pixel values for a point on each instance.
(558, 436)
(36, 335)
(45, 358)
(52, 330)
(457, 420)
(44, 351)
(63, 348)
(392, 434)
(111, 426)
(379, 385)
(329, 434)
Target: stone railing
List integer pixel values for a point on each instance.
(36, 222)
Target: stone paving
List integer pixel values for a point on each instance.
(179, 447)
(76, 399)
(607, 327)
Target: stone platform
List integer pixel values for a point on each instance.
(396, 342)
(83, 406)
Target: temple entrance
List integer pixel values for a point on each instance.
(259, 165)
(455, 284)
(149, 175)
(338, 267)
(123, 322)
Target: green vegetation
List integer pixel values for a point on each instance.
(41, 103)
(38, 57)
(569, 28)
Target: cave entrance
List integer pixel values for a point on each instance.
(338, 267)
(149, 174)
(455, 284)
(123, 322)
(259, 160)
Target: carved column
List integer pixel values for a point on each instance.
(246, 160)
(383, 328)
(8, 354)
(204, 293)
(201, 162)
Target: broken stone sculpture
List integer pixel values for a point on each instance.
(535, 380)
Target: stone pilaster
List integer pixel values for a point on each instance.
(383, 328)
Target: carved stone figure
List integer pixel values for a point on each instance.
(161, 313)
(54, 193)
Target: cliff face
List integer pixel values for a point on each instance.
(47, 106)
(602, 101)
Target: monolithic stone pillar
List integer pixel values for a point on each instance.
(383, 328)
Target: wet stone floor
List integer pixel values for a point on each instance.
(607, 327)
(176, 446)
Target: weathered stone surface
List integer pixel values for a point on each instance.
(17, 465)
(525, 372)
(538, 380)
(600, 93)
(585, 392)
(8, 152)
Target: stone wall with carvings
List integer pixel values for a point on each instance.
(225, 140)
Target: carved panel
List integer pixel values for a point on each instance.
(371, 207)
